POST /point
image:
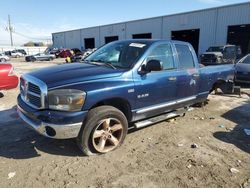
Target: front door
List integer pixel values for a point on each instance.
(156, 91)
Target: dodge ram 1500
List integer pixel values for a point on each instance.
(123, 83)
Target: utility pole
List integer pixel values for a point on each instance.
(10, 29)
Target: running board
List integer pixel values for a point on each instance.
(160, 118)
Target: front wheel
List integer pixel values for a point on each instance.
(103, 131)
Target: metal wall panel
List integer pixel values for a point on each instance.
(72, 39)
(235, 15)
(93, 32)
(153, 26)
(213, 24)
(203, 20)
(59, 40)
(112, 30)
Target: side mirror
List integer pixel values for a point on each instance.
(152, 65)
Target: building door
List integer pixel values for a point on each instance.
(239, 35)
(111, 39)
(142, 36)
(89, 43)
(192, 36)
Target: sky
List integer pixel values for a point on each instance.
(35, 20)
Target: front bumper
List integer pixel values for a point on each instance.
(52, 124)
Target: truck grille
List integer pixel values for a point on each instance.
(31, 92)
(209, 57)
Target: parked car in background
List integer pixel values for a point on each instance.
(242, 69)
(79, 56)
(76, 51)
(88, 51)
(215, 55)
(65, 53)
(124, 83)
(8, 80)
(8, 53)
(22, 51)
(76, 57)
(16, 54)
(54, 51)
(40, 57)
(4, 58)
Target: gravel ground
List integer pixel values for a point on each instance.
(157, 156)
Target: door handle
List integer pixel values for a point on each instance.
(172, 78)
(196, 75)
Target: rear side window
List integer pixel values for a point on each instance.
(185, 56)
(163, 53)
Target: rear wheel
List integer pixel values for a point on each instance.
(103, 131)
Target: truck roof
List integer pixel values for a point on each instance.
(150, 41)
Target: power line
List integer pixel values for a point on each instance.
(33, 38)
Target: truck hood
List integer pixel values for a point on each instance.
(60, 75)
(215, 53)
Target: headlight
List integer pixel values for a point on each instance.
(66, 99)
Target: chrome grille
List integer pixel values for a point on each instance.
(33, 91)
(34, 100)
(209, 57)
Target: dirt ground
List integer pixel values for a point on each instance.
(157, 156)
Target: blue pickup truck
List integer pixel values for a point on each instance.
(130, 83)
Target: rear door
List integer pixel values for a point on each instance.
(188, 75)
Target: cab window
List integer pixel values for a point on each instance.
(164, 54)
(185, 56)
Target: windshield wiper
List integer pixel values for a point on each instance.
(101, 62)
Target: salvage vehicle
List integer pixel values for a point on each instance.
(242, 70)
(130, 82)
(75, 57)
(217, 55)
(8, 80)
(16, 54)
(40, 57)
(3, 58)
(63, 53)
(22, 51)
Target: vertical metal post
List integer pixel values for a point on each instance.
(10, 28)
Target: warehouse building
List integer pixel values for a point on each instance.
(203, 28)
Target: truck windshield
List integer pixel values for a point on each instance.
(121, 55)
(215, 49)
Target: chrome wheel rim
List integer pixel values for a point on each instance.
(107, 135)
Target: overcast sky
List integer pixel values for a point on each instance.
(34, 20)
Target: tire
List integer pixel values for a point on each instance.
(104, 130)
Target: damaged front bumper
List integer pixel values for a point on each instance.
(52, 124)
